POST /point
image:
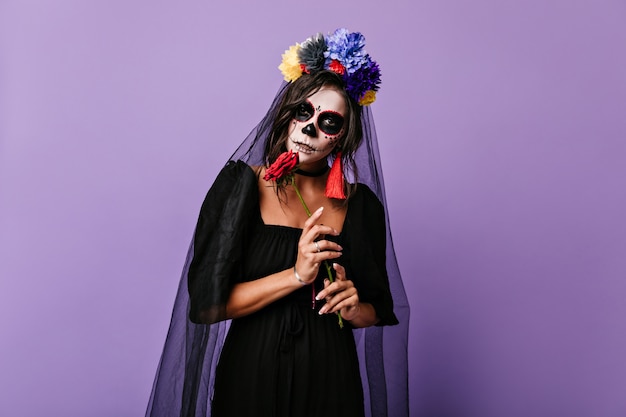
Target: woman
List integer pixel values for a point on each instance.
(293, 282)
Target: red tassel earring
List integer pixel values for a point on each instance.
(334, 183)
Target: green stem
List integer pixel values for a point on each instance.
(328, 270)
(295, 187)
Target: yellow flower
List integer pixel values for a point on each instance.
(368, 98)
(290, 67)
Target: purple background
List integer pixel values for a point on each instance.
(503, 139)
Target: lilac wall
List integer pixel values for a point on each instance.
(503, 140)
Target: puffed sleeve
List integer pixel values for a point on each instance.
(219, 241)
(368, 247)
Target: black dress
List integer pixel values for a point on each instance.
(285, 359)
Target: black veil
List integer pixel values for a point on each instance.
(184, 380)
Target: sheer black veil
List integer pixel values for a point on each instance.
(184, 380)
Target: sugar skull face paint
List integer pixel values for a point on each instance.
(318, 124)
(329, 121)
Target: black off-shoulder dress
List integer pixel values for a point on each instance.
(285, 359)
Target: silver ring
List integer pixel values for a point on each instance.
(317, 246)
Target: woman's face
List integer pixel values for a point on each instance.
(317, 126)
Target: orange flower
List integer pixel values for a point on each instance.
(368, 98)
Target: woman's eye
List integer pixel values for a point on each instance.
(304, 112)
(330, 123)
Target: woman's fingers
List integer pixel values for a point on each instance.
(318, 246)
(314, 217)
(336, 292)
(318, 251)
(312, 230)
(340, 284)
(341, 294)
(340, 272)
(348, 298)
(311, 251)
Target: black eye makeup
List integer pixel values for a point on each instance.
(304, 111)
(329, 122)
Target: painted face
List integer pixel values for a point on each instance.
(330, 122)
(318, 124)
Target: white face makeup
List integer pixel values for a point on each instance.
(317, 126)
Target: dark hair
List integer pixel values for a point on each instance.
(306, 86)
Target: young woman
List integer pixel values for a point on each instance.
(296, 255)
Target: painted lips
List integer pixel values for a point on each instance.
(303, 147)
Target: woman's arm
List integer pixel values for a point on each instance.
(249, 297)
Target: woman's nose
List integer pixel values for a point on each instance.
(310, 130)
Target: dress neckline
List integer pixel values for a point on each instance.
(283, 226)
(298, 229)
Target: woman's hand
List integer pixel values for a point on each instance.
(341, 295)
(312, 252)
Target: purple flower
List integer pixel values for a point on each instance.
(366, 77)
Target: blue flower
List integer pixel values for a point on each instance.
(347, 48)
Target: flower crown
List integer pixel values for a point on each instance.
(341, 52)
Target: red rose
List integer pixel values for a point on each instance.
(335, 66)
(284, 164)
